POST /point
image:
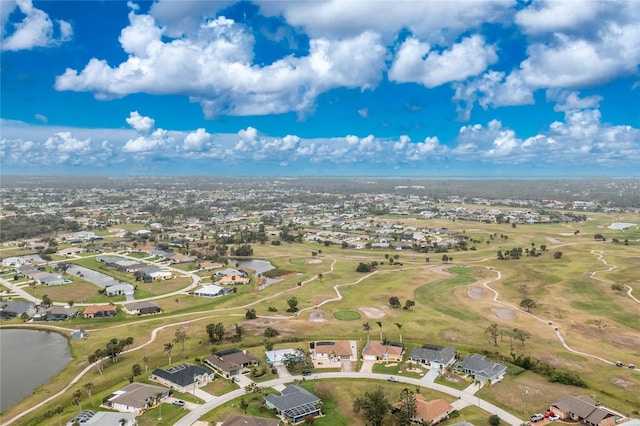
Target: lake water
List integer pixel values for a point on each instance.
(258, 265)
(29, 358)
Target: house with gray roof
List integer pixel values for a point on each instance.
(231, 362)
(583, 409)
(120, 289)
(103, 418)
(235, 420)
(480, 369)
(136, 398)
(16, 309)
(294, 403)
(141, 308)
(183, 377)
(434, 356)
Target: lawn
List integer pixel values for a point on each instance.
(346, 315)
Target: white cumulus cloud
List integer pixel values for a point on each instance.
(35, 30)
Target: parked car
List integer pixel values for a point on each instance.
(554, 417)
(631, 366)
(536, 417)
(548, 414)
(178, 402)
(306, 372)
(393, 379)
(619, 364)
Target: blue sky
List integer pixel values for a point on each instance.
(418, 88)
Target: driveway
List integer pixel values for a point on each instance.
(431, 375)
(282, 371)
(367, 366)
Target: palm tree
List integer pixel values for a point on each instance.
(399, 330)
(366, 327)
(146, 362)
(58, 410)
(167, 348)
(380, 325)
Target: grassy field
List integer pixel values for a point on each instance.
(454, 306)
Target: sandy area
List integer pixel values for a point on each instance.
(371, 312)
(316, 317)
(314, 261)
(441, 270)
(476, 293)
(504, 313)
(554, 240)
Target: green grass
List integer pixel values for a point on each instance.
(346, 315)
(170, 414)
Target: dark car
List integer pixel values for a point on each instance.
(306, 372)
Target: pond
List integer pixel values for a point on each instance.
(22, 368)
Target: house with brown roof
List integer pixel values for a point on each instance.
(100, 311)
(231, 362)
(429, 412)
(583, 409)
(334, 351)
(233, 280)
(376, 351)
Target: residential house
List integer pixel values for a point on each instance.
(231, 362)
(583, 409)
(136, 398)
(480, 369)
(334, 351)
(50, 279)
(275, 358)
(70, 251)
(56, 313)
(235, 420)
(182, 258)
(376, 351)
(434, 356)
(144, 274)
(183, 377)
(103, 418)
(207, 266)
(294, 404)
(141, 308)
(16, 309)
(211, 290)
(233, 280)
(429, 412)
(100, 311)
(230, 271)
(120, 289)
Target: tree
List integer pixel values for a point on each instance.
(493, 333)
(48, 414)
(268, 345)
(168, 347)
(528, 304)
(293, 304)
(524, 289)
(494, 420)
(146, 363)
(251, 314)
(270, 332)
(244, 405)
(380, 325)
(557, 255)
(366, 327)
(180, 337)
(77, 399)
(239, 332)
(445, 258)
(136, 370)
(59, 410)
(409, 304)
(46, 301)
(374, 405)
(617, 287)
(87, 388)
(406, 408)
(399, 330)
(363, 267)
(521, 335)
(394, 302)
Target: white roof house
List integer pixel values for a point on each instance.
(210, 291)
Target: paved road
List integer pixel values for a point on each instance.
(464, 397)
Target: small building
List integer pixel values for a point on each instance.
(10, 310)
(434, 356)
(231, 362)
(161, 275)
(183, 377)
(294, 404)
(57, 313)
(103, 418)
(275, 358)
(583, 409)
(233, 280)
(70, 251)
(51, 279)
(141, 308)
(136, 398)
(376, 351)
(210, 290)
(100, 311)
(334, 351)
(480, 369)
(121, 289)
(235, 420)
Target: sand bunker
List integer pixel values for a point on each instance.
(314, 261)
(440, 270)
(371, 312)
(316, 317)
(553, 240)
(504, 313)
(476, 293)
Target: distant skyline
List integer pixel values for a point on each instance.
(323, 88)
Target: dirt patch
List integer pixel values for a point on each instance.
(314, 261)
(624, 383)
(504, 313)
(441, 270)
(476, 293)
(554, 240)
(451, 336)
(316, 317)
(371, 312)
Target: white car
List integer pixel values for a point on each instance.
(554, 417)
(536, 417)
(393, 379)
